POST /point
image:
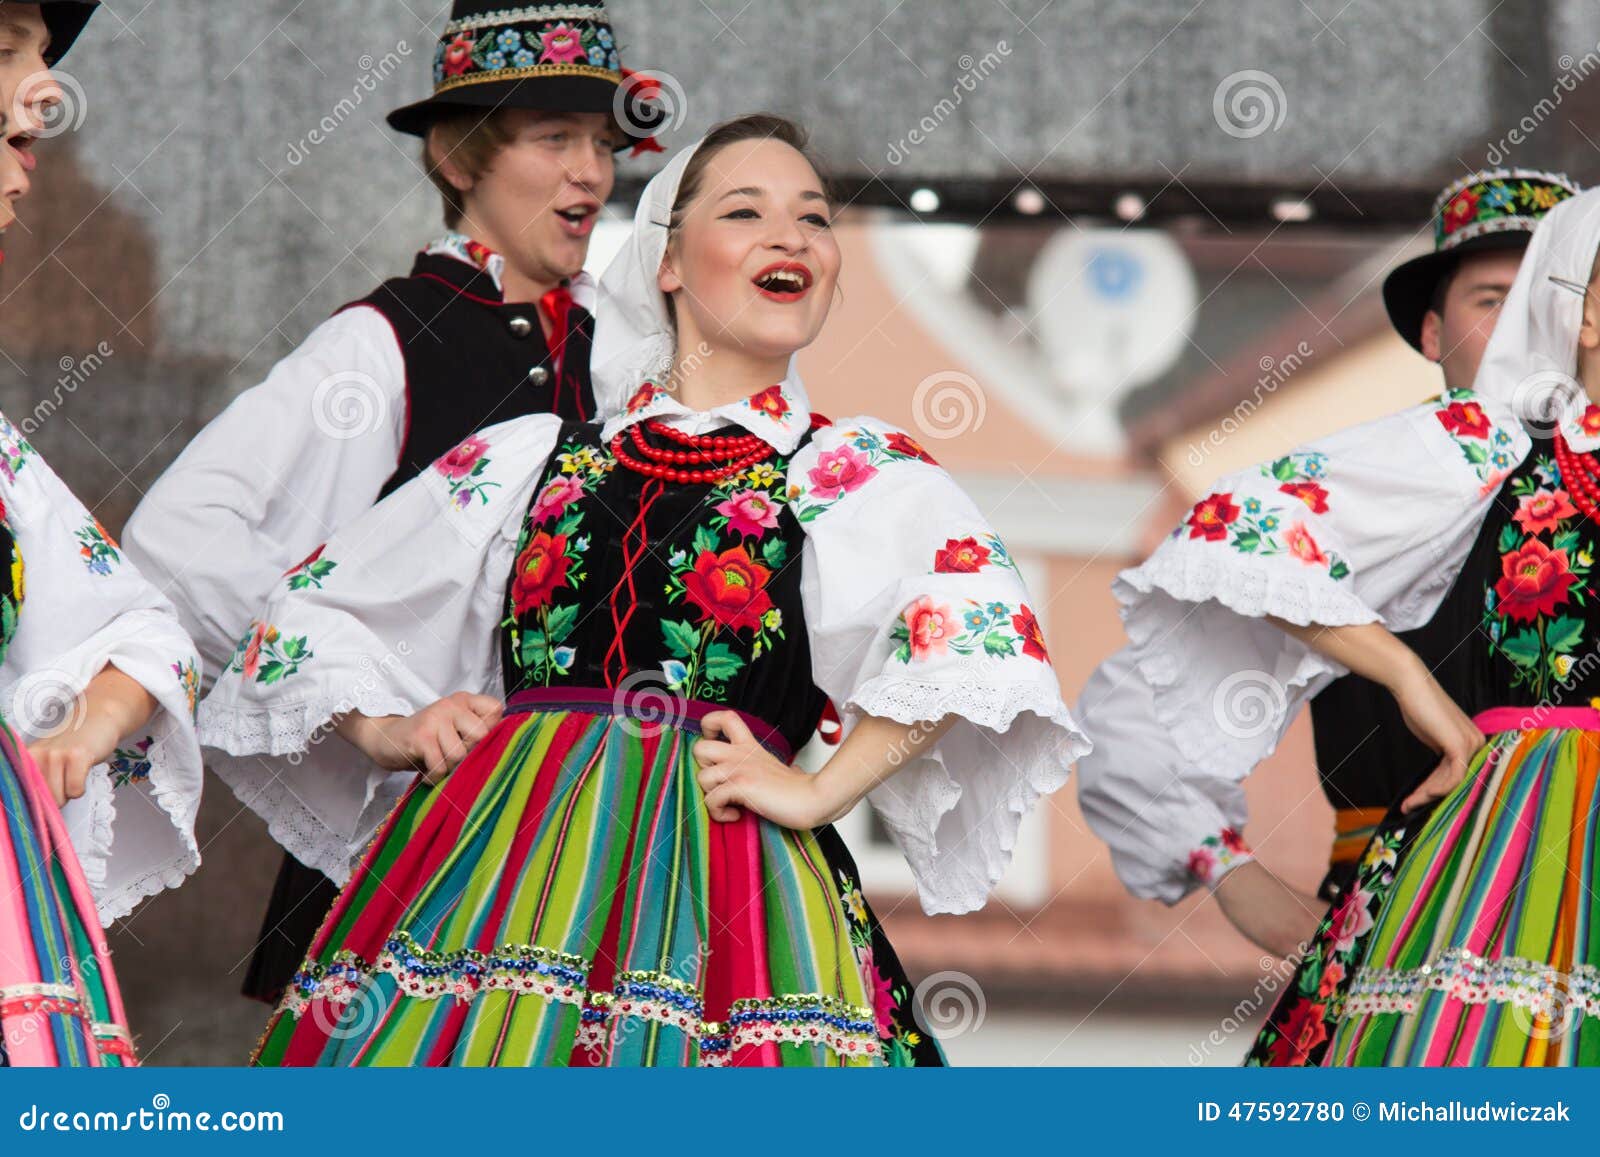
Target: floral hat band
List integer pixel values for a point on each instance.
(514, 43)
(1496, 201)
(551, 57)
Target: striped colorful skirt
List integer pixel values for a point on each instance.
(1472, 936)
(564, 898)
(59, 1003)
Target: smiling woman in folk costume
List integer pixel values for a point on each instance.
(519, 136)
(1467, 526)
(99, 766)
(1444, 304)
(626, 869)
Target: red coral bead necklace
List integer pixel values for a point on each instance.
(724, 455)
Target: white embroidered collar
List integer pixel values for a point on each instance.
(779, 414)
(478, 255)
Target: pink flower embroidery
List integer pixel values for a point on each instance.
(1351, 920)
(1543, 510)
(839, 472)
(749, 512)
(461, 461)
(561, 45)
(1202, 862)
(1300, 543)
(931, 627)
(555, 498)
(881, 988)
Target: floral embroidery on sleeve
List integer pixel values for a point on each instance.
(189, 679)
(972, 554)
(99, 549)
(1486, 447)
(850, 466)
(463, 467)
(1254, 526)
(1217, 855)
(929, 628)
(131, 764)
(266, 656)
(311, 571)
(14, 449)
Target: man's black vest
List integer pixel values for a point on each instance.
(472, 360)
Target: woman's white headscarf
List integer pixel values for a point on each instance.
(1531, 360)
(634, 338)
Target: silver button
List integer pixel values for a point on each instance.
(519, 326)
(538, 376)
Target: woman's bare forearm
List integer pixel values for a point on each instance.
(1368, 649)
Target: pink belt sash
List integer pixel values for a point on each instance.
(1537, 719)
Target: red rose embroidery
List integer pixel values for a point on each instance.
(541, 570)
(1310, 493)
(1331, 976)
(1027, 625)
(960, 556)
(458, 56)
(770, 402)
(1201, 863)
(1534, 581)
(1465, 419)
(1589, 423)
(729, 588)
(1210, 518)
(1233, 841)
(910, 447)
(1462, 210)
(1302, 1031)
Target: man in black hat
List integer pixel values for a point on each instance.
(33, 39)
(1444, 304)
(493, 322)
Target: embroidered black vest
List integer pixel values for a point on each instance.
(472, 360)
(1518, 628)
(691, 589)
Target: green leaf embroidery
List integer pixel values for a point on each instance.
(683, 639)
(1563, 634)
(721, 663)
(561, 621)
(999, 643)
(1521, 648)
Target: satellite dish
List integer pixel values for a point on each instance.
(1112, 308)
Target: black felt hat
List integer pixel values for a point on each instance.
(1497, 209)
(557, 58)
(65, 19)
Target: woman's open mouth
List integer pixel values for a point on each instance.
(784, 281)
